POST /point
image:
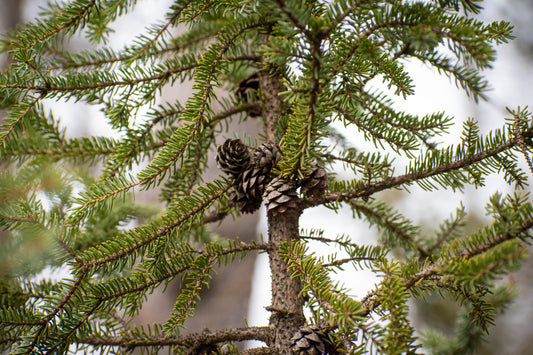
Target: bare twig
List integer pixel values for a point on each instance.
(193, 341)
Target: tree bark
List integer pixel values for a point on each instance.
(287, 307)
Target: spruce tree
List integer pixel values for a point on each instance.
(300, 68)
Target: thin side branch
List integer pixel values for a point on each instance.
(395, 181)
(193, 341)
(370, 302)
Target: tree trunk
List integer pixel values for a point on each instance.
(287, 307)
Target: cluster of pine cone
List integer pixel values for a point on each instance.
(251, 173)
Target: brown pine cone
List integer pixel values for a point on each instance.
(233, 157)
(246, 86)
(280, 195)
(250, 184)
(244, 203)
(315, 183)
(249, 187)
(309, 340)
(266, 156)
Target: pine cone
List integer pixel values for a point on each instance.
(309, 340)
(266, 156)
(249, 186)
(251, 183)
(233, 157)
(249, 84)
(315, 183)
(280, 196)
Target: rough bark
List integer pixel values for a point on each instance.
(271, 105)
(287, 307)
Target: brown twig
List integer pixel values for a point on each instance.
(521, 143)
(193, 340)
(369, 189)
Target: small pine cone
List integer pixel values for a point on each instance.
(250, 186)
(280, 196)
(233, 157)
(266, 156)
(315, 183)
(309, 340)
(253, 182)
(247, 85)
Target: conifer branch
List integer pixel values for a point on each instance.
(44, 322)
(373, 132)
(301, 133)
(160, 32)
(70, 149)
(392, 182)
(340, 18)
(194, 340)
(73, 330)
(82, 209)
(521, 142)
(370, 303)
(366, 332)
(73, 21)
(189, 296)
(365, 34)
(340, 262)
(216, 216)
(43, 78)
(355, 161)
(18, 120)
(213, 255)
(292, 18)
(161, 231)
(393, 226)
(480, 56)
(143, 286)
(447, 232)
(100, 85)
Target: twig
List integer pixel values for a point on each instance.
(193, 340)
(395, 181)
(370, 302)
(521, 143)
